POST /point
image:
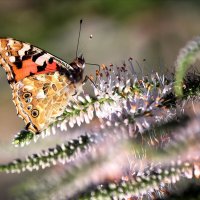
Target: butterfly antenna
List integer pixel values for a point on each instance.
(79, 34)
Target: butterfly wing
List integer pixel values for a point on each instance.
(40, 90)
(20, 60)
(40, 99)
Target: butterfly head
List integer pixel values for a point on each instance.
(77, 68)
(78, 62)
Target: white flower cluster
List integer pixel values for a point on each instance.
(121, 98)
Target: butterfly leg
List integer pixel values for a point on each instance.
(88, 78)
(75, 93)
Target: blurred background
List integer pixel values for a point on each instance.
(153, 30)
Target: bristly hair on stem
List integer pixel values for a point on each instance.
(186, 57)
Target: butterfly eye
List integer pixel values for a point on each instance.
(35, 113)
(27, 95)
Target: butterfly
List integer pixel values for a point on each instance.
(42, 84)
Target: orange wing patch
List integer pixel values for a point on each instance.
(49, 68)
(30, 68)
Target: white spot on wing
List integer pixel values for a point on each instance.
(12, 58)
(28, 87)
(42, 59)
(40, 95)
(41, 77)
(10, 42)
(26, 47)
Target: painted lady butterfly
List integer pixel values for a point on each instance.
(41, 83)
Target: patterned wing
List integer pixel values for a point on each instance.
(41, 98)
(42, 84)
(21, 60)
